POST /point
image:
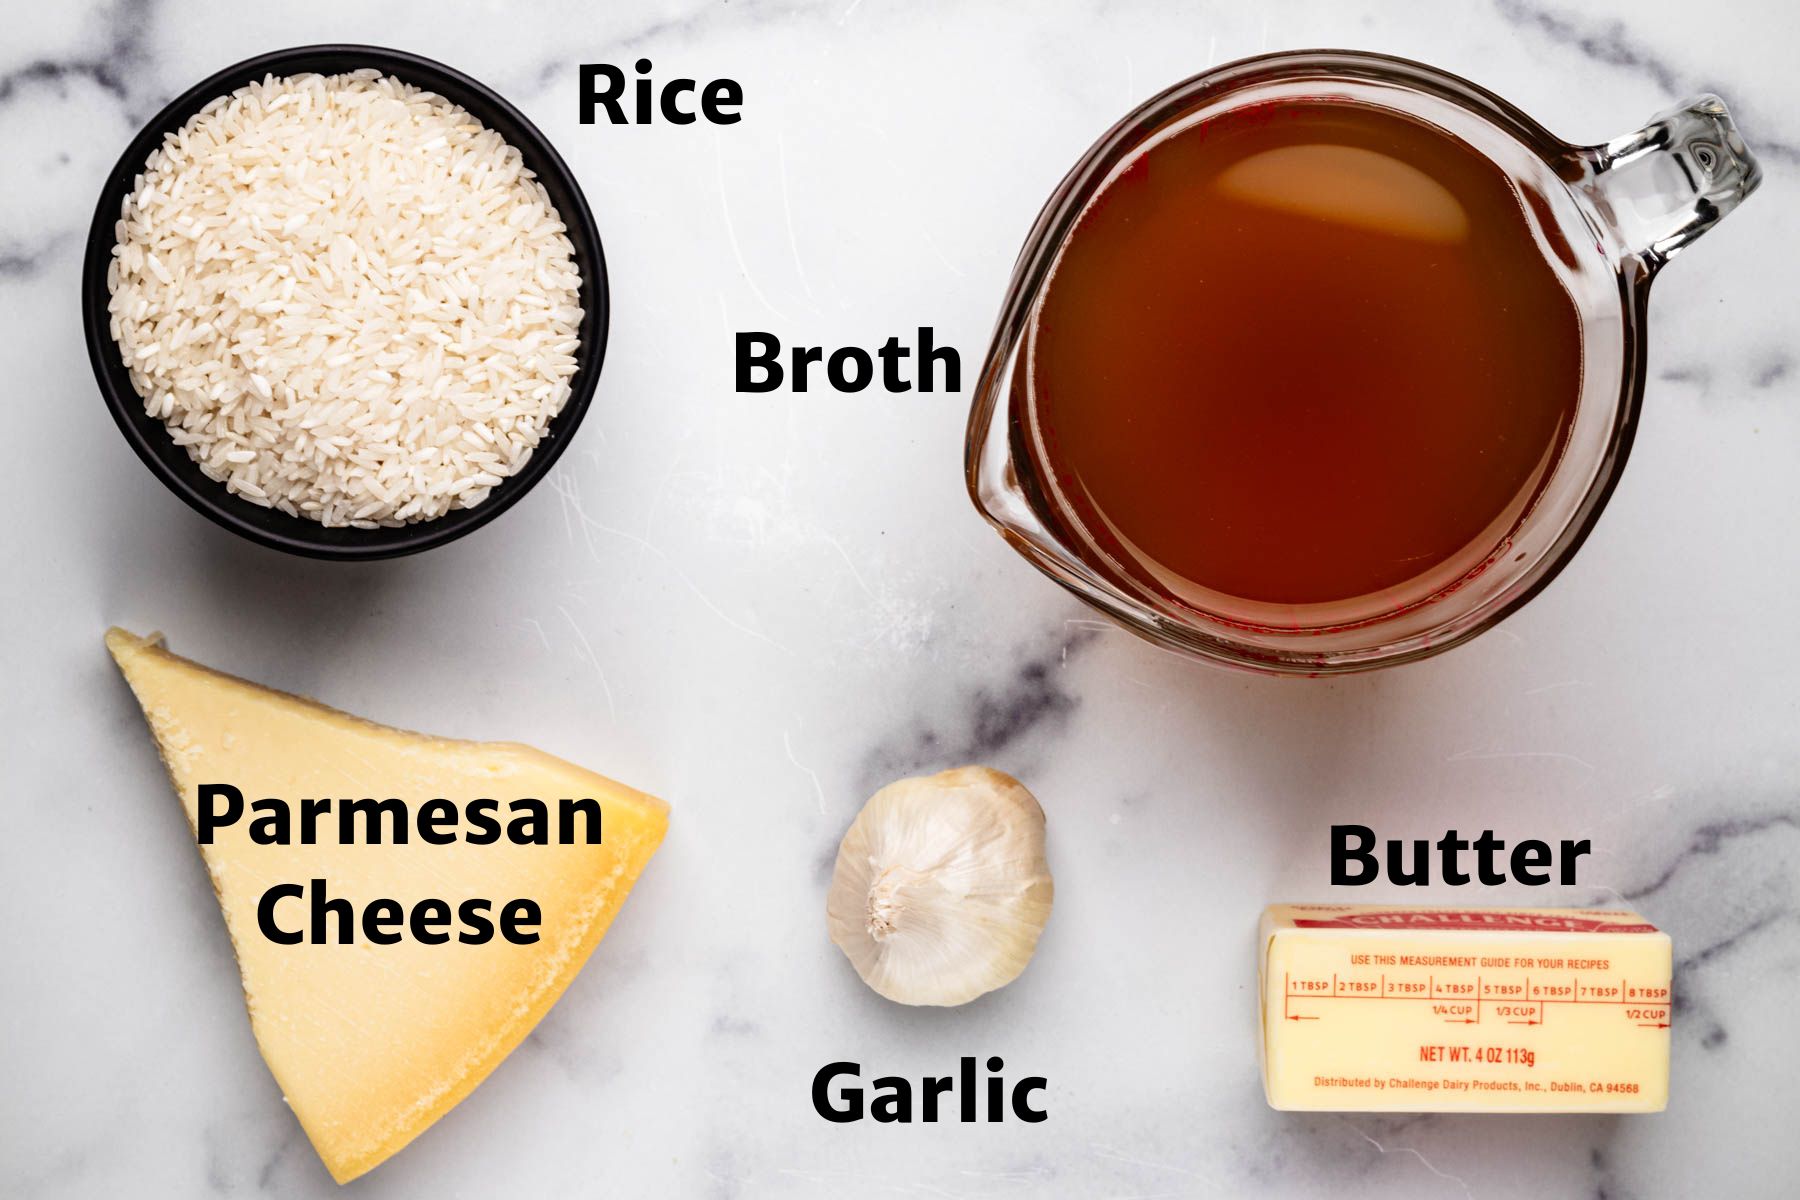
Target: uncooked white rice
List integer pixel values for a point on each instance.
(347, 298)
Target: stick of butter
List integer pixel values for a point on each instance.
(1380, 1008)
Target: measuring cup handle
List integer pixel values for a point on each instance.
(1663, 186)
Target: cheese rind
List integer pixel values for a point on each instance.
(1379, 1008)
(373, 1043)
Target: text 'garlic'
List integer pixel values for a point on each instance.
(941, 887)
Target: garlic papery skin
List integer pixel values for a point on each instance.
(941, 886)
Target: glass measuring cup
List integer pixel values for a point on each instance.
(1606, 218)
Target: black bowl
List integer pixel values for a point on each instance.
(270, 527)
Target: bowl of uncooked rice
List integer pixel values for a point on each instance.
(348, 303)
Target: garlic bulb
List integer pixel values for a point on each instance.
(941, 887)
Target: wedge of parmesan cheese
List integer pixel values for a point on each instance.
(372, 1043)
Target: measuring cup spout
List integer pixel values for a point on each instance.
(1659, 188)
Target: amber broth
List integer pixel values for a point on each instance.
(1300, 353)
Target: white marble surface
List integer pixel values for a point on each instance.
(764, 607)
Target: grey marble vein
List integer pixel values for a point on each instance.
(985, 724)
(116, 65)
(1609, 43)
(1707, 841)
(21, 262)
